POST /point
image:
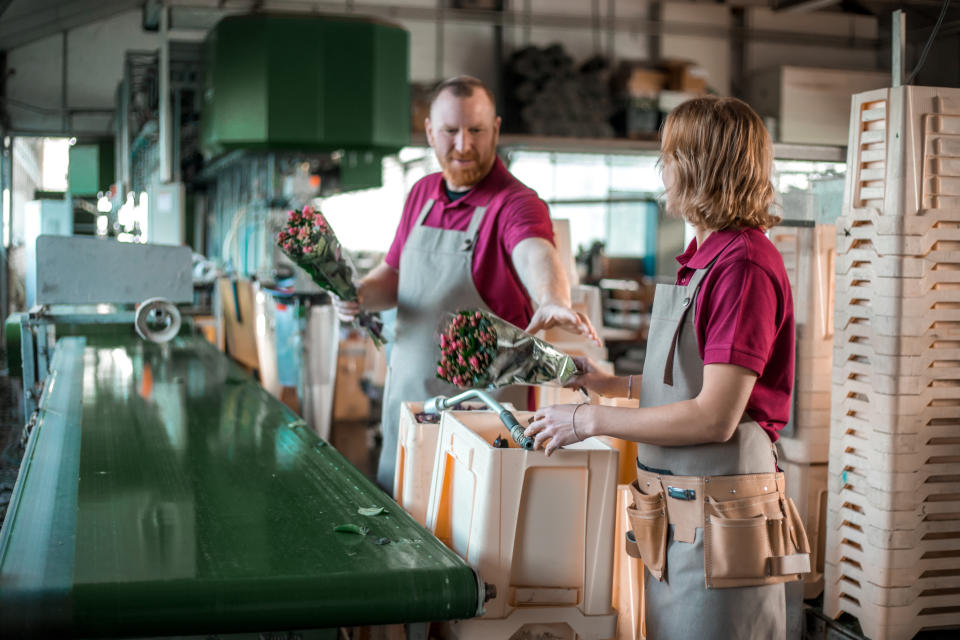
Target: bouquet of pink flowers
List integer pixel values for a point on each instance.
(308, 240)
(478, 349)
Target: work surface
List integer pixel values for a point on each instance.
(163, 491)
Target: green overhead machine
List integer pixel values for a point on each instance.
(309, 83)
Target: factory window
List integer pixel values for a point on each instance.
(608, 199)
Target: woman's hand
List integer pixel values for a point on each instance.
(594, 379)
(556, 425)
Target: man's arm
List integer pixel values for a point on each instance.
(538, 265)
(377, 291)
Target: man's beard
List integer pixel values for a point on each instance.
(465, 176)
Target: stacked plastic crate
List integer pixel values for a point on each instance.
(808, 255)
(893, 538)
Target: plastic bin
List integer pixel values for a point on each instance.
(627, 576)
(540, 529)
(416, 448)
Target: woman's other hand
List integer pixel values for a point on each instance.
(554, 427)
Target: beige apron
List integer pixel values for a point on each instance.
(435, 279)
(681, 606)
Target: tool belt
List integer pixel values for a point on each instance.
(752, 533)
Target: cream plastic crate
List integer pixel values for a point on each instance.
(540, 529)
(885, 622)
(809, 256)
(914, 529)
(944, 323)
(924, 482)
(922, 593)
(627, 575)
(889, 130)
(919, 498)
(860, 384)
(857, 452)
(871, 224)
(813, 374)
(807, 486)
(902, 383)
(863, 339)
(862, 284)
(867, 264)
(889, 567)
(852, 416)
(416, 447)
(936, 362)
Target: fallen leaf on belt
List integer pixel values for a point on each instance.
(371, 511)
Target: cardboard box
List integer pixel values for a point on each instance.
(811, 105)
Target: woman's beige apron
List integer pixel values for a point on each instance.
(435, 279)
(680, 606)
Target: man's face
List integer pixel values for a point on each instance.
(464, 133)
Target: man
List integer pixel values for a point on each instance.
(472, 236)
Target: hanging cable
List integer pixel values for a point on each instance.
(926, 47)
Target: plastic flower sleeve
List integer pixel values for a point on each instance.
(308, 240)
(480, 350)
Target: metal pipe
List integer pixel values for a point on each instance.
(898, 64)
(439, 403)
(166, 174)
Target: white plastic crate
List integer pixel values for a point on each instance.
(416, 448)
(540, 529)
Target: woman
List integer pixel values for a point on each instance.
(709, 518)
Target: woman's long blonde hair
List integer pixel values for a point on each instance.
(721, 157)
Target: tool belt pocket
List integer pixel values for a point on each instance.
(648, 523)
(754, 541)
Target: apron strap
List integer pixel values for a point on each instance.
(474, 228)
(424, 212)
(688, 302)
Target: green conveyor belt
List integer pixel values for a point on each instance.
(164, 492)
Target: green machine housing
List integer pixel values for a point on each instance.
(309, 83)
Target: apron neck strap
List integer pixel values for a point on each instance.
(475, 221)
(689, 301)
(424, 212)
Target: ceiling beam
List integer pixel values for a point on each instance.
(24, 28)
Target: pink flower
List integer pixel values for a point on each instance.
(440, 371)
(460, 359)
(443, 341)
(307, 211)
(293, 215)
(474, 362)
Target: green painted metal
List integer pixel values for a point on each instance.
(91, 168)
(14, 356)
(306, 82)
(165, 492)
